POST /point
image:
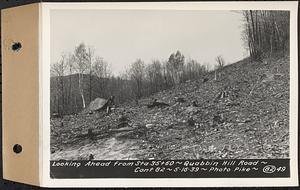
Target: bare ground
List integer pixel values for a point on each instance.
(242, 114)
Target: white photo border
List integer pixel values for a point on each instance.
(44, 76)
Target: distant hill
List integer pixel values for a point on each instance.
(65, 95)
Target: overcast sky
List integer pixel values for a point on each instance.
(122, 36)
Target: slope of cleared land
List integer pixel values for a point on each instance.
(242, 114)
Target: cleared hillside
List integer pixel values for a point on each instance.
(242, 114)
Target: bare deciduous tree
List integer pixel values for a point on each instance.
(266, 32)
(193, 69)
(70, 69)
(90, 54)
(154, 76)
(58, 70)
(137, 71)
(175, 66)
(219, 66)
(82, 64)
(220, 61)
(101, 69)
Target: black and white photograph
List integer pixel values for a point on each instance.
(188, 92)
(169, 84)
(151, 94)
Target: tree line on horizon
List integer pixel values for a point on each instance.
(81, 76)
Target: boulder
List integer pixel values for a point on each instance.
(98, 104)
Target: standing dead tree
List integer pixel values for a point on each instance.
(219, 67)
(220, 61)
